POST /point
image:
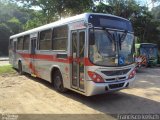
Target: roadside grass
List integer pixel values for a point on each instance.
(7, 70)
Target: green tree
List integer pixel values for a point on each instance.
(14, 25)
(144, 25)
(36, 20)
(56, 9)
(123, 8)
(12, 19)
(4, 35)
(156, 12)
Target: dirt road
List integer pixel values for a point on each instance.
(26, 95)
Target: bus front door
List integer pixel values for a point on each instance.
(78, 46)
(32, 56)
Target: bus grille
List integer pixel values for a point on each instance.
(117, 72)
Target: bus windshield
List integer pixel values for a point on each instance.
(127, 49)
(103, 51)
(150, 52)
(111, 52)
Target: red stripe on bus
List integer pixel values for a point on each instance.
(31, 67)
(45, 57)
(53, 58)
(87, 62)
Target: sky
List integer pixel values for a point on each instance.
(148, 3)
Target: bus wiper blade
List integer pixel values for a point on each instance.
(121, 38)
(109, 35)
(112, 38)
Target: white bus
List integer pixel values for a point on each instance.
(91, 53)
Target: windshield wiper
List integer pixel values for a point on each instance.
(111, 37)
(121, 38)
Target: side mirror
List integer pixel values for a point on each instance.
(91, 38)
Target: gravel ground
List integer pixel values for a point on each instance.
(28, 95)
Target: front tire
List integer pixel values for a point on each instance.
(58, 82)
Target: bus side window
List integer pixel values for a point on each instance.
(26, 42)
(60, 36)
(45, 42)
(20, 43)
(81, 42)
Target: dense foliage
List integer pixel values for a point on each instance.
(146, 23)
(18, 15)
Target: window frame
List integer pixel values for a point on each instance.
(39, 40)
(53, 38)
(28, 41)
(18, 42)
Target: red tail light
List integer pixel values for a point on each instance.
(132, 74)
(95, 77)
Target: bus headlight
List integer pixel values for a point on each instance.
(132, 74)
(95, 77)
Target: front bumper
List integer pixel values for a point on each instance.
(100, 88)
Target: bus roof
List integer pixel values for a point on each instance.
(149, 44)
(83, 16)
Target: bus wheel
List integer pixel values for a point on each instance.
(20, 71)
(58, 82)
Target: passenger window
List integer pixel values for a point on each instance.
(26, 42)
(60, 35)
(81, 44)
(20, 43)
(45, 42)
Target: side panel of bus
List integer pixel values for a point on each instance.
(50, 49)
(51, 53)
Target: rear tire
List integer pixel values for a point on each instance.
(20, 71)
(58, 82)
